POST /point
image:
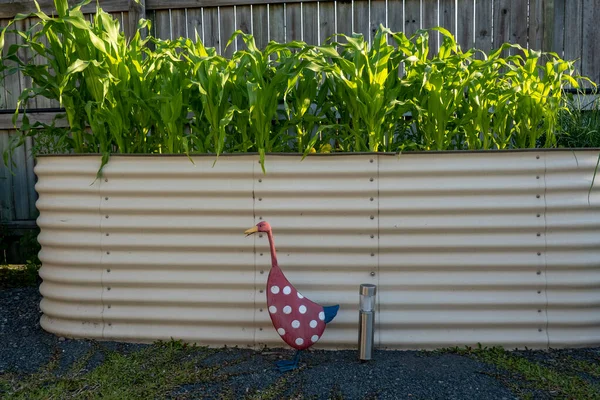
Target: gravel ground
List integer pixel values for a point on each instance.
(25, 348)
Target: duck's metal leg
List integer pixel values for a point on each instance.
(288, 365)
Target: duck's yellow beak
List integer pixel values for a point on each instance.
(250, 231)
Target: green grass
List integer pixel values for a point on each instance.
(561, 382)
(16, 276)
(152, 372)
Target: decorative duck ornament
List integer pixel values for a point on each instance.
(299, 321)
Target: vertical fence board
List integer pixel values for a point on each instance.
(502, 17)
(178, 23)
(211, 28)
(194, 23)
(326, 21)
(40, 102)
(310, 22)
(466, 24)
(294, 21)
(244, 23)
(20, 183)
(277, 22)
(7, 210)
(536, 24)
(447, 17)
(591, 40)
(396, 16)
(344, 17)
(430, 15)
(483, 25)
(260, 25)
(12, 82)
(412, 16)
(31, 178)
(162, 27)
(378, 15)
(573, 33)
(518, 22)
(361, 18)
(227, 29)
(554, 24)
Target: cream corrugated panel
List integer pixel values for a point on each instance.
(457, 244)
(573, 248)
(153, 250)
(458, 250)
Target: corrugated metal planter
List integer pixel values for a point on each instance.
(490, 247)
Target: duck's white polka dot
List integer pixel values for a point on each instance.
(295, 324)
(314, 338)
(281, 331)
(272, 309)
(299, 295)
(302, 309)
(322, 316)
(313, 324)
(274, 289)
(287, 290)
(287, 309)
(299, 341)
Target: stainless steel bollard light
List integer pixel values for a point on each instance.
(366, 322)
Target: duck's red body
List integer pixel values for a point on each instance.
(299, 321)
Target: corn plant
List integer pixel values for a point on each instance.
(149, 95)
(365, 89)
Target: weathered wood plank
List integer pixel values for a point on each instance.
(573, 33)
(554, 25)
(294, 22)
(194, 23)
(396, 16)
(344, 18)
(536, 24)
(137, 11)
(162, 24)
(27, 56)
(412, 17)
(164, 4)
(378, 16)
(20, 182)
(43, 117)
(227, 29)
(261, 26)
(483, 25)
(502, 18)
(326, 21)
(31, 178)
(12, 82)
(465, 34)
(211, 28)
(7, 209)
(361, 19)
(178, 24)
(310, 23)
(430, 15)
(447, 16)
(277, 23)
(518, 22)
(244, 23)
(590, 65)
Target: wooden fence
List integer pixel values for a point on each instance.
(568, 27)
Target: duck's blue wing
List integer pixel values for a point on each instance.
(330, 313)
